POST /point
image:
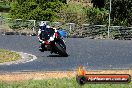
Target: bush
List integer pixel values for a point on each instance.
(35, 10)
(97, 16)
(4, 7)
(73, 13)
(121, 12)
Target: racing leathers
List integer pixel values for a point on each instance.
(45, 36)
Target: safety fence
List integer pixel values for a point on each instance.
(30, 27)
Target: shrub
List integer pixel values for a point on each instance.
(97, 16)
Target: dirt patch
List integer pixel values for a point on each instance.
(22, 76)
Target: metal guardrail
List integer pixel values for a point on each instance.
(72, 29)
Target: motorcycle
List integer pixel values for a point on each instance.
(54, 42)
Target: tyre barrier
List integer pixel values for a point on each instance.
(17, 33)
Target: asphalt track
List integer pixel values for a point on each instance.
(93, 54)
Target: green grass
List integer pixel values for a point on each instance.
(7, 56)
(59, 83)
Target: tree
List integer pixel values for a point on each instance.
(97, 16)
(36, 9)
(121, 12)
(98, 3)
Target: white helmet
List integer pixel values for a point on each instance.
(42, 23)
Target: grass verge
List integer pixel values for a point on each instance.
(58, 83)
(7, 56)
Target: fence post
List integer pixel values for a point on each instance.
(109, 20)
(70, 25)
(34, 24)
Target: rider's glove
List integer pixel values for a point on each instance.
(43, 42)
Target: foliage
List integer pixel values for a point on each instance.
(98, 3)
(35, 9)
(58, 10)
(4, 7)
(73, 13)
(121, 12)
(97, 16)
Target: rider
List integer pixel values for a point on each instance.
(42, 28)
(47, 33)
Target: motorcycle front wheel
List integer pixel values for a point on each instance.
(61, 49)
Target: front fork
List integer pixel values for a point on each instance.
(52, 47)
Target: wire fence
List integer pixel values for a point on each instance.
(28, 27)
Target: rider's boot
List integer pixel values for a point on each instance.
(42, 48)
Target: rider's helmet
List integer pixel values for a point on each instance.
(42, 25)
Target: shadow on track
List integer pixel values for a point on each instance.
(56, 56)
